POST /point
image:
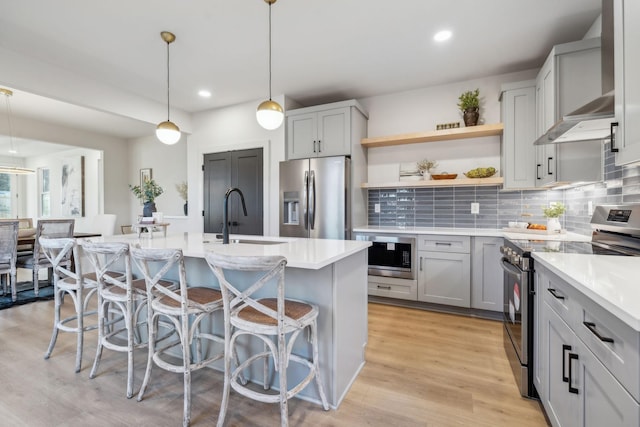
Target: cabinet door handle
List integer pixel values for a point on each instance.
(420, 263)
(443, 244)
(388, 288)
(592, 327)
(614, 149)
(314, 146)
(538, 166)
(549, 165)
(555, 293)
(574, 390)
(565, 377)
(319, 146)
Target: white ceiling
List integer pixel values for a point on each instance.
(323, 50)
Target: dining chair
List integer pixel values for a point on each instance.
(276, 321)
(105, 224)
(68, 281)
(185, 308)
(8, 255)
(49, 228)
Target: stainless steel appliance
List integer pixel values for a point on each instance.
(616, 231)
(391, 255)
(314, 198)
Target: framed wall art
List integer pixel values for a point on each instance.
(72, 187)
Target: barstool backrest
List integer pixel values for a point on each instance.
(58, 251)
(161, 261)
(273, 268)
(104, 256)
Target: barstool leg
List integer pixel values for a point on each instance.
(56, 322)
(282, 370)
(130, 324)
(101, 315)
(316, 365)
(80, 313)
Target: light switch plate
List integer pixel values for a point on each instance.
(376, 207)
(475, 208)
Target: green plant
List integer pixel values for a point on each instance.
(554, 211)
(427, 165)
(469, 99)
(183, 190)
(147, 192)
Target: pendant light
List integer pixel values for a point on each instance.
(168, 132)
(270, 113)
(11, 169)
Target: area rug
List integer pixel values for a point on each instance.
(26, 294)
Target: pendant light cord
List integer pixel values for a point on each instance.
(168, 82)
(10, 124)
(269, 51)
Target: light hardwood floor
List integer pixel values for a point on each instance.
(423, 369)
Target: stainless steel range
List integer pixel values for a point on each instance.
(616, 231)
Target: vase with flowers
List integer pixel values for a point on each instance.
(469, 104)
(553, 213)
(426, 166)
(147, 192)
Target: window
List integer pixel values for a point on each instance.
(5, 196)
(45, 193)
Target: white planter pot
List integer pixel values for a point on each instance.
(553, 224)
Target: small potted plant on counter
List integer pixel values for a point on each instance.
(553, 213)
(426, 166)
(469, 104)
(183, 190)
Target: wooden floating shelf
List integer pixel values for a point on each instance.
(438, 183)
(433, 136)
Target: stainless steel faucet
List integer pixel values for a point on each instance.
(225, 213)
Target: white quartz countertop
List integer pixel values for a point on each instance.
(609, 280)
(311, 254)
(474, 232)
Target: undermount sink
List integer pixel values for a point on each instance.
(255, 242)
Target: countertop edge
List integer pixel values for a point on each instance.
(473, 232)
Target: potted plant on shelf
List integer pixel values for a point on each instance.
(147, 193)
(183, 190)
(469, 104)
(552, 213)
(426, 166)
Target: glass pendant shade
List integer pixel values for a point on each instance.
(270, 115)
(168, 133)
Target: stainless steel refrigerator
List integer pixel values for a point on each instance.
(314, 198)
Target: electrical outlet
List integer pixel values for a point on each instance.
(376, 207)
(589, 207)
(475, 208)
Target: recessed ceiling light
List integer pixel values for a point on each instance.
(204, 93)
(441, 36)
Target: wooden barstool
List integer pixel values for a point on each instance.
(276, 321)
(184, 309)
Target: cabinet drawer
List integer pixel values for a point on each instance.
(613, 342)
(393, 288)
(559, 295)
(436, 243)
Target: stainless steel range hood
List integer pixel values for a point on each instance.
(593, 120)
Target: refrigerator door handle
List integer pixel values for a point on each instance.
(312, 200)
(305, 200)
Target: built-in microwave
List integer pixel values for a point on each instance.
(391, 255)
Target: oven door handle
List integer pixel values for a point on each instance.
(510, 268)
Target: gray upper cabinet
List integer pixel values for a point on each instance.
(518, 111)
(322, 131)
(569, 78)
(627, 89)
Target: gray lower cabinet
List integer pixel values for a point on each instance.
(391, 287)
(486, 276)
(444, 276)
(579, 383)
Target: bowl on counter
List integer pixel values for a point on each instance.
(444, 176)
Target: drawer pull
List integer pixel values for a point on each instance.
(555, 293)
(565, 378)
(443, 244)
(388, 288)
(574, 390)
(592, 327)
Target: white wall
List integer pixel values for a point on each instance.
(168, 164)
(420, 111)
